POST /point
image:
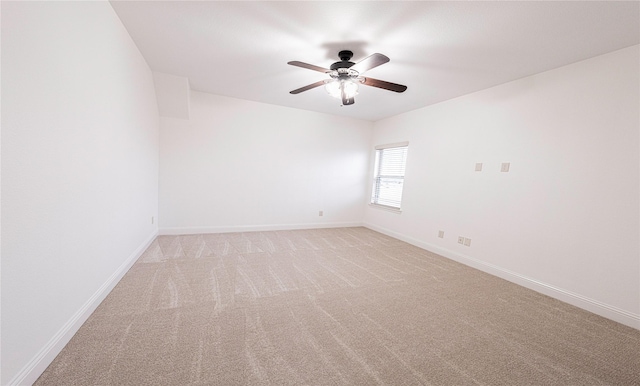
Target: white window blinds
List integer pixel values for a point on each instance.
(388, 174)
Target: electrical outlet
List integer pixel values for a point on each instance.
(460, 240)
(320, 213)
(467, 242)
(153, 220)
(441, 234)
(505, 167)
(479, 167)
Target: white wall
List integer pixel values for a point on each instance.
(172, 94)
(241, 165)
(79, 171)
(565, 219)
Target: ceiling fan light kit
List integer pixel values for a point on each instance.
(345, 77)
(336, 88)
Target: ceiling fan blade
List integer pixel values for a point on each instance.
(307, 87)
(384, 85)
(309, 66)
(370, 62)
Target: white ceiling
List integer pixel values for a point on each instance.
(440, 50)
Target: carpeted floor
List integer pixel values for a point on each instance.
(345, 306)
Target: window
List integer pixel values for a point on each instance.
(388, 174)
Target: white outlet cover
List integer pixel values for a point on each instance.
(505, 167)
(479, 167)
(441, 234)
(467, 242)
(460, 240)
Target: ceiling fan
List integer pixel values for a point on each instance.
(346, 75)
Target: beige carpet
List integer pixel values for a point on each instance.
(333, 307)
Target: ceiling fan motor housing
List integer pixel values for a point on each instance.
(344, 62)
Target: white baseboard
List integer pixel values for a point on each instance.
(252, 228)
(39, 363)
(605, 310)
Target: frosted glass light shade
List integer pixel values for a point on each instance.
(335, 88)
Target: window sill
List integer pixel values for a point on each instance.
(386, 208)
